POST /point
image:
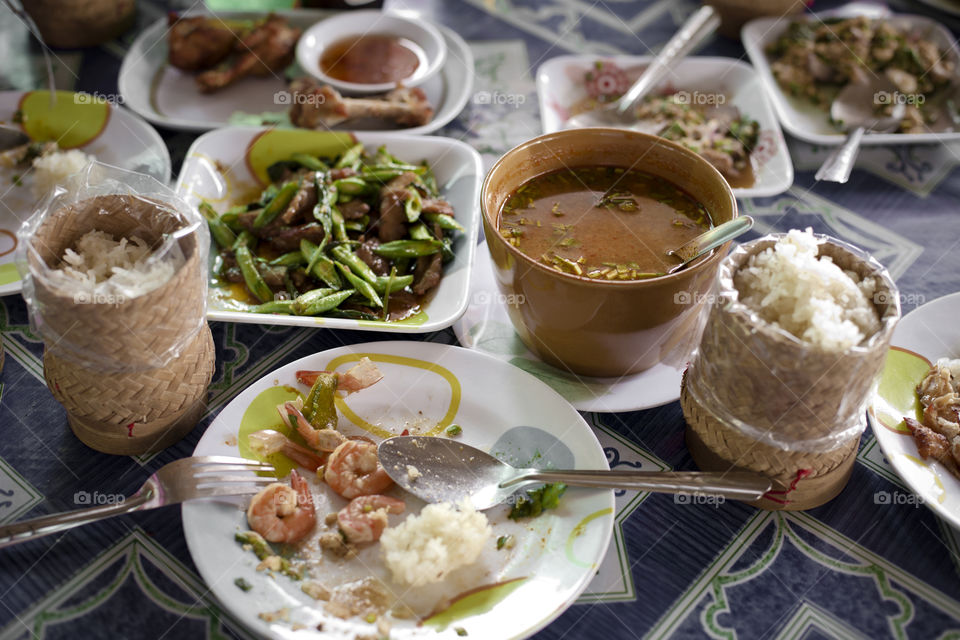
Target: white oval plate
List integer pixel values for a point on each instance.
(804, 120)
(124, 141)
(169, 97)
(425, 387)
(218, 169)
(486, 327)
(925, 335)
(560, 85)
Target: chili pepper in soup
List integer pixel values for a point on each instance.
(607, 223)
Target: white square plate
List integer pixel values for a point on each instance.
(218, 169)
(805, 120)
(560, 85)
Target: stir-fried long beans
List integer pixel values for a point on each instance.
(359, 235)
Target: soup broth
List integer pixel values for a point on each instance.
(600, 222)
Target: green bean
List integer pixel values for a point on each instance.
(221, 233)
(399, 282)
(445, 221)
(363, 287)
(388, 289)
(306, 299)
(413, 205)
(383, 175)
(351, 314)
(310, 162)
(251, 276)
(419, 231)
(355, 225)
(325, 270)
(319, 408)
(324, 304)
(275, 306)
(277, 205)
(392, 166)
(339, 226)
(343, 254)
(244, 239)
(289, 259)
(268, 194)
(429, 180)
(408, 248)
(350, 157)
(263, 550)
(351, 186)
(320, 265)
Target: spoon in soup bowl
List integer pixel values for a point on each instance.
(707, 242)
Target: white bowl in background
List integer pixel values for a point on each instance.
(323, 34)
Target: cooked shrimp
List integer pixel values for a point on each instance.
(282, 513)
(360, 376)
(322, 440)
(353, 469)
(365, 518)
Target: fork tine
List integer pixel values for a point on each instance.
(222, 468)
(204, 481)
(223, 490)
(216, 460)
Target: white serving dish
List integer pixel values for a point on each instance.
(458, 171)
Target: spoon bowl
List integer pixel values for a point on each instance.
(12, 137)
(708, 241)
(854, 110)
(444, 470)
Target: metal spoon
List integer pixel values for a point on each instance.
(12, 137)
(621, 112)
(444, 470)
(855, 109)
(707, 242)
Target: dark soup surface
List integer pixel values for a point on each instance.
(371, 59)
(601, 222)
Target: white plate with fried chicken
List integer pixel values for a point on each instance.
(914, 412)
(200, 71)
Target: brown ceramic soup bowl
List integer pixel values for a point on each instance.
(599, 327)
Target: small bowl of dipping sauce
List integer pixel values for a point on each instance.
(371, 51)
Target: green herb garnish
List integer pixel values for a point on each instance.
(537, 501)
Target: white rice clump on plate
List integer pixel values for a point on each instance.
(811, 297)
(102, 265)
(426, 547)
(52, 169)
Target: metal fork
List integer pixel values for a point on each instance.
(173, 483)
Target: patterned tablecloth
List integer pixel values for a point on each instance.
(851, 568)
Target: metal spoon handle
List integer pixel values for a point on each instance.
(837, 167)
(697, 27)
(737, 485)
(713, 238)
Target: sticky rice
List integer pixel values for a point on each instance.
(425, 548)
(789, 286)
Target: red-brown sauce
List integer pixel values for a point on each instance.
(371, 59)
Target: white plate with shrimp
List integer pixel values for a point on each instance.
(426, 388)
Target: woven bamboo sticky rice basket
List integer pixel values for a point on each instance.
(132, 373)
(757, 398)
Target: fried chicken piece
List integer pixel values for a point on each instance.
(199, 42)
(322, 106)
(931, 444)
(269, 48)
